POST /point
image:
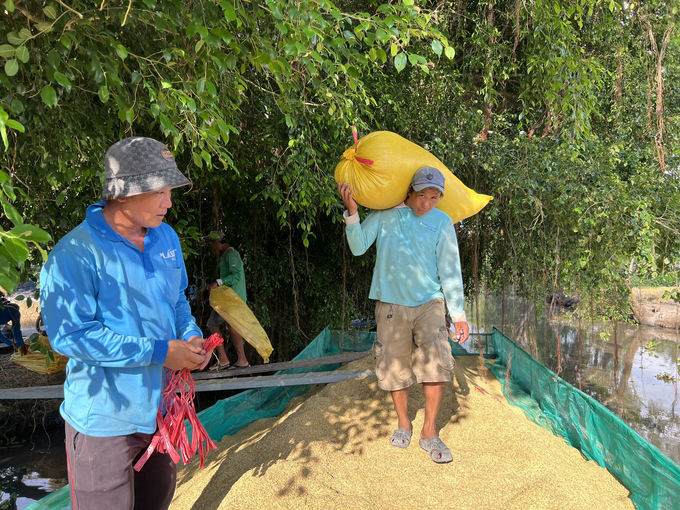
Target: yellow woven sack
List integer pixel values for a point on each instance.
(233, 310)
(35, 361)
(381, 165)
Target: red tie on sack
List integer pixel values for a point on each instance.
(178, 401)
(356, 148)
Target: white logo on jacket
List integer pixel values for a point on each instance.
(169, 255)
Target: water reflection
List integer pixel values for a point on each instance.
(32, 471)
(631, 370)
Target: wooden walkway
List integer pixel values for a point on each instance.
(225, 380)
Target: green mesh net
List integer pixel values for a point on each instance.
(584, 423)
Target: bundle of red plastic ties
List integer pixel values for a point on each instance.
(177, 400)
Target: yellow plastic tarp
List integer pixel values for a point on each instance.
(233, 310)
(384, 183)
(35, 361)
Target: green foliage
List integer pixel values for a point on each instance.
(43, 348)
(15, 241)
(554, 108)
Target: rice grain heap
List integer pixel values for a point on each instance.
(330, 449)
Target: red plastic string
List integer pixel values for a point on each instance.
(177, 399)
(356, 148)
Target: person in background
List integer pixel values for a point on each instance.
(112, 295)
(417, 257)
(9, 312)
(231, 275)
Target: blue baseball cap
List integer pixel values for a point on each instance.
(428, 177)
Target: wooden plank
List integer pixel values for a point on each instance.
(33, 392)
(275, 367)
(269, 381)
(236, 383)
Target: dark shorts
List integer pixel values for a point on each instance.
(101, 474)
(215, 320)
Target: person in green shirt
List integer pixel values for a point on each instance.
(231, 275)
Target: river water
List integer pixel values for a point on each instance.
(632, 370)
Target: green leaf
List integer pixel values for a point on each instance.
(9, 191)
(17, 106)
(65, 41)
(14, 39)
(53, 58)
(30, 233)
(103, 93)
(229, 12)
(49, 96)
(43, 27)
(9, 5)
(262, 59)
(22, 53)
(400, 62)
(60, 198)
(122, 52)
(166, 84)
(11, 67)
(62, 80)
(381, 54)
(7, 51)
(437, 47)
(130, 115)
(200, 86)
(199, 45)
(5, 282)
(197, 160)
(11, 212)
(17, 249)
(50, 12)
(394, 49)
(165, 123)
(449, 52)
(25, 33)
(15, 125)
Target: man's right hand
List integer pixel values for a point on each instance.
(347, 194)
(182, 354)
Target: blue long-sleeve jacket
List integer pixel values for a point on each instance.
(417, 257)
(112, 309)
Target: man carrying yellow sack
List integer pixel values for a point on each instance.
(417, 257)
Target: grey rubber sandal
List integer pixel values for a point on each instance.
(401, 438)
(438, 451)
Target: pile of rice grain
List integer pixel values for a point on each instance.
(330, 449)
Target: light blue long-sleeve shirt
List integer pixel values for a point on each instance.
(112, 309)
(417, 257)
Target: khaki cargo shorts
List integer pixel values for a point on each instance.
(412, 340)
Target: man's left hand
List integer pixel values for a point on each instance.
(461, 331)
(211, 286)
(198, 341)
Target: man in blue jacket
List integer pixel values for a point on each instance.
(417, 257)
(112, 295)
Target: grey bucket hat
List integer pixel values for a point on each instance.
(428, 177)
(140, 165)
